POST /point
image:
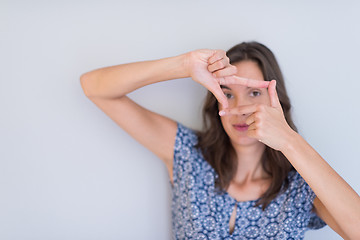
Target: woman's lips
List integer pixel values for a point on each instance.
(241, 127)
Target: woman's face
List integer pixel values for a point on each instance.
(239, 95)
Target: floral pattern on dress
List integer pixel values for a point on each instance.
(201, 212)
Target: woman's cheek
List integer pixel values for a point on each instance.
(264, 99)
(225, 120)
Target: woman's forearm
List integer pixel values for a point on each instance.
(342, 202)
(117, 81)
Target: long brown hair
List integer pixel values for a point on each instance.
(215, 143)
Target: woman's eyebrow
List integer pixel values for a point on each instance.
(224, 87)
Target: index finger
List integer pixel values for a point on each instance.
(246, 109)
(248, 82)
(219, 95)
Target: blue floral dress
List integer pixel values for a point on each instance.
(200, 212)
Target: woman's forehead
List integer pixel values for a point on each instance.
(249, 69)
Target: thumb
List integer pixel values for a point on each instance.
(274, 99)
(219, 95)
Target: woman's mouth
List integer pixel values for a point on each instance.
(241, 127)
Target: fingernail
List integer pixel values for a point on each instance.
(222, 113)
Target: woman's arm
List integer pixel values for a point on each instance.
(117, 81)
(336, 200)
(207, 67)
(107, 88)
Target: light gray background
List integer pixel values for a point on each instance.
(68, 172)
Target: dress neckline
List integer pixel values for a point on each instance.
(239, 203)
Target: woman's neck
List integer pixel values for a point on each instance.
(249, 166)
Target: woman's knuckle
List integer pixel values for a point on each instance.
(221, 64)
(234, 69)
(260, 107)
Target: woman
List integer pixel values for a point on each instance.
(249, 174)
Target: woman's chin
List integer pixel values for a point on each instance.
(245, 141)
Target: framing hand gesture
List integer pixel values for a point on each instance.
(266, 123)
(211, 68)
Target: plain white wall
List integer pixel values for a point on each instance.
(68, 172)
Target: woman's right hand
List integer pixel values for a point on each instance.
(209, 68)
(212, 68)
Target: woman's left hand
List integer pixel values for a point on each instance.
(267, 123)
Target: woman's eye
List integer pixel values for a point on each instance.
(228, 95)
(255, 93)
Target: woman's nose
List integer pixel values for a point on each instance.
(243, 101)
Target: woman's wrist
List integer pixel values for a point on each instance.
(291, 141)
(180, 66)
(185, 60)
